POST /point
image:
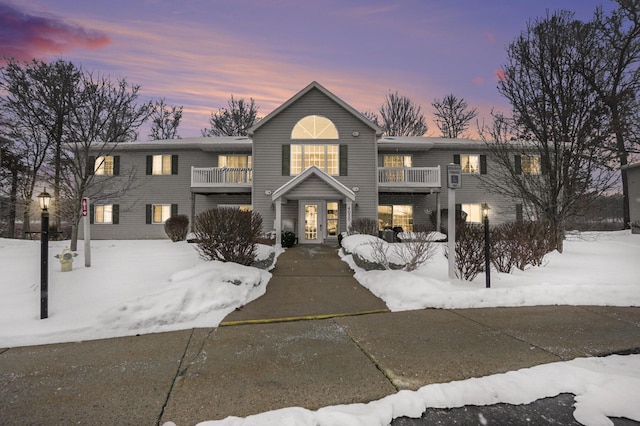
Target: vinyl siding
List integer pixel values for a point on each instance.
(267, 154)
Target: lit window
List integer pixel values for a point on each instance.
(396, 215)
(473, 211)
(314, 127)
(240, 166)
(161, 165)
(470, 164)
(161, 212)
(104, 165)
(103, 214)
(395, 162)
(324, 157)
(531, 164)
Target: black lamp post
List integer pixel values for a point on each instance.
(44, 198)
(487, 251)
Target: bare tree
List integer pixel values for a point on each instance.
(235, 120)
(561, 122)
(453, 115)
(103, 115)
(400, 116)
(165, 120)
(610, 55)
(38, 100)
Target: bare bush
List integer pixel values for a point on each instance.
(365, 226)
(416, 252)
(469, 251)
(176, 227)
(228, 234)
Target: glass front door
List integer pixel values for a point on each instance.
(311, 218)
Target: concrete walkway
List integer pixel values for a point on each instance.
(254, 366)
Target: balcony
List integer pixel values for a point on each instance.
(221, 177)
(406, 179)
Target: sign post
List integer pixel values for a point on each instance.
(87, 231)
(454, 180)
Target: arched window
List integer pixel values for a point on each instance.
(314, 127)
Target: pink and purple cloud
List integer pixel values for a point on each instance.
(25, 36)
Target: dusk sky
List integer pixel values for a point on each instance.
(197, 53)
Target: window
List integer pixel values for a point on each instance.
(332, 218)
(104, 165)
(474, 212)
(159, 213)
(238, 166)
(162, 164)
(324, 157)
(395, 161)
(105, 214)
(531, 164)
(470, 164)
(396, 215)
(314, 127)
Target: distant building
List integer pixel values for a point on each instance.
(633, 179)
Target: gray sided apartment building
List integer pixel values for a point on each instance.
(312, 166)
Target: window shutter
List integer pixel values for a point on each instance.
(286, 160)
(116, 165)
(91, 165)
(483, 164)
(174, 210)
(149, 164)
(92, 214)
(518, 164)
(174, 164)
(115, 214)
(148, 211)
(456, 158)
(344, 152)
(519, 216)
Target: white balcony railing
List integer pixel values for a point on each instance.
(423, 177)
(221, 176)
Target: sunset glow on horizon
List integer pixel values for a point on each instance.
(198, 53)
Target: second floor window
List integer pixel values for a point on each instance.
(470, 164)
(531, 164)
(104, 165)
(235, 161)
(396, 161)
(162, 164)
(324, 157)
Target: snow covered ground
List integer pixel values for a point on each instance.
(137, 287)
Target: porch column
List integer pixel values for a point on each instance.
(278, 222)
(438, 208)
(349, 213)
(193, 211)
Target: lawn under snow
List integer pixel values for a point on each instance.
(137, 287)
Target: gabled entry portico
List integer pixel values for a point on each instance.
(320, 199)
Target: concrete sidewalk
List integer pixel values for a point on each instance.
(204, 374)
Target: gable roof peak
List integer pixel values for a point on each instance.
(314, 85)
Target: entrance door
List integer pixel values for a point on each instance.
(311, 222)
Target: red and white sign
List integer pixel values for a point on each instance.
(84, 206)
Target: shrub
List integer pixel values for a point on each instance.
(176, 227)
(520, 245)
(288, 239)
(469, 251)
(228, 234)
(364, 226)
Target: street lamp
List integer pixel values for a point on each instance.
(44, 199)
(487, 252)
